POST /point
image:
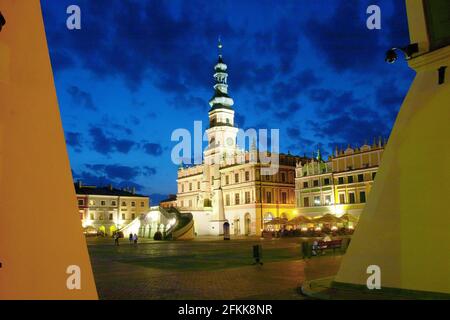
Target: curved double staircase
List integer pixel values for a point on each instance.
(182, 229)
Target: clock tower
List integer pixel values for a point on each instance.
(221, 132)
(221, 143)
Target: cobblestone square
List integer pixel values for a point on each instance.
(205, 268)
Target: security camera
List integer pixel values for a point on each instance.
(2, 21)
(391, 56)
(409, 50)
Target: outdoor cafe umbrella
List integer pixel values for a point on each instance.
(328, 218)
(349, 218)
(275, 221)
(299, 220)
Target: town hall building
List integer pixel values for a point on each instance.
(231, 185)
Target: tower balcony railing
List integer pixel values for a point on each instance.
(220, 124)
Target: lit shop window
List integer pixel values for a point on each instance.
(317, 201)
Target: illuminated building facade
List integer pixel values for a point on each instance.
(106, 209)
(340, 185)
(230, 186)
(170, 202)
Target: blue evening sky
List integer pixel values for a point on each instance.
(137, 70)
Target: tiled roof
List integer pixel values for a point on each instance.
(104, 191)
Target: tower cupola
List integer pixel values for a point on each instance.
(220, 99)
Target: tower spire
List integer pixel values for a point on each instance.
(219, 45)
(220, 99)
(319, 155)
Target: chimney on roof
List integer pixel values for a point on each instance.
(110, 187)
(79, 184)
(133, 190)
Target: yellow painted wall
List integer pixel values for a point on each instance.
(404, 227)
(42, 236)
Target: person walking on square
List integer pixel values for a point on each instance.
(131, 238)
(116, 238)
(315, 246)
(135, 238)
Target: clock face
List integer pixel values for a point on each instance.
(230, 142)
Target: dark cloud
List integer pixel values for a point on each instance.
(299, 141)
(73, 139)
(350, 129)
(135, 120)
(89, 178)
(388, 95)
(288, 111)
(121, 176)
(345, 42)
(338, 102)
(320, 95)
(120, 127)
(343, 100)
(123, 145)
(288, 90)
(153, 149)
(101, 180)
(108, 144)
(146, 40)
(114, 171)
(148, 171)
(286, 43)
(134, 39)
(61, 59)
(123, 126)
(189, 103)
(248, 75)
(293, 133)
(81, 98)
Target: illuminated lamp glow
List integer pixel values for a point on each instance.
(339, 211)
